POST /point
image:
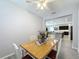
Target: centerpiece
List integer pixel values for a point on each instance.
(42, 37)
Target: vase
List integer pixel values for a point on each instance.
(41, 41)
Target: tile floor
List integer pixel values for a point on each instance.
(66, 50)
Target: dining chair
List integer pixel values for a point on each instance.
(55, 42)
(58, 48)
(54, 53)
(18, 53)
(58, 36)
(52, 36)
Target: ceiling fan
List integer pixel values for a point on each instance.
(42, 4)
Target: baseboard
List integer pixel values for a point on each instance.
(6, 57)
(74, 48)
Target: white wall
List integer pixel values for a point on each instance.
(16, 25)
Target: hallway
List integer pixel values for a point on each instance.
(66, 50)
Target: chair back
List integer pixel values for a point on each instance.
(52, 36)
(58, 48)
(58, 36)
(18, 52)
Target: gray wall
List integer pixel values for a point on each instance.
(16, 25)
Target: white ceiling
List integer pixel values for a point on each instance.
(53, 7)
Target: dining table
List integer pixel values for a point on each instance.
(38, 51)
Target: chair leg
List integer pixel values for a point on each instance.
(47, 57)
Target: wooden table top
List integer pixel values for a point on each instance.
(37, 51)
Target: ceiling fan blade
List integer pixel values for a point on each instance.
(29, 1)
(50, 0)
(34, 1)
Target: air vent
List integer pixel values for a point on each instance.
(28, 1)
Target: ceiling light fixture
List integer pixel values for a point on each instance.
(42, 4)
